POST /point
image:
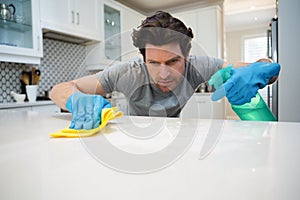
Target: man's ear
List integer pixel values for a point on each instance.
(187, 56)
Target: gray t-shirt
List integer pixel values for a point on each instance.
(144, 97)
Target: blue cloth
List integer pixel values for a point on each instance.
(86, 110)
(239, 85)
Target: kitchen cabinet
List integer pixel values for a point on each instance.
(112, 33)
(117, 21)
(119, 100)
(201, 106)
(207, 26)
(20, 35)
(72, 17)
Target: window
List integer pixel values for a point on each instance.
(256, 47)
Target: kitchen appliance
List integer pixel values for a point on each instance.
(5, 12)
(273, 54)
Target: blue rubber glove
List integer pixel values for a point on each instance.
(241, 84)
(86, 110)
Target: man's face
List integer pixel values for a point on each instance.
(166, 65)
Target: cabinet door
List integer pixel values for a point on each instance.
(117, 21)
(112, 30)
(206, 24)
(20, 35)
(190, 18)
(201, 106)
(86, 17)
(72, 17)
(57, 14)
(129, 19)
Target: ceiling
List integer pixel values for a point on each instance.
(238, 14)
(148, 7)
(243, 14)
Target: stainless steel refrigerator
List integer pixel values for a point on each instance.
(273, 54)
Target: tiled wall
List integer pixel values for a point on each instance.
(10, 80)
(61, 62)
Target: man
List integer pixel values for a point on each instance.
(162, 82)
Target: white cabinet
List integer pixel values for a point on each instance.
(87, 17)
(20, 35)
(207, 26)
(98, 55)
(201, 106)
(55, 14)
(73, 17)
(119, 100)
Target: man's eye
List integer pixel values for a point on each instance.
(153, 62)
(171, 62)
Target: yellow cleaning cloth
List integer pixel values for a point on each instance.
(106, 115)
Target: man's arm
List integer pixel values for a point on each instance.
(235, 64)
(88, 84)
(240, 84)
(243, 64)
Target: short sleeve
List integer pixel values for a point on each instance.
(206, 65)
(119, 77)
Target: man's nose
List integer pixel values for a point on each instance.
(164, 71)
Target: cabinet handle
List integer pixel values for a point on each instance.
(77, 14)
(73, 17)
(38, 43)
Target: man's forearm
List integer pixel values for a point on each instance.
(235, 64)
(87, 84)
(243, 64)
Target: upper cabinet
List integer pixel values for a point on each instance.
(20, 35)
(117, 21)
(73, 17)
(112, 33)
(207, 26)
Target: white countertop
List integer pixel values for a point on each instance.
(25, 104)
(183, 159)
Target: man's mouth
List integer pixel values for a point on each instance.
(165, 83)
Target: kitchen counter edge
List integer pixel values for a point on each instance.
(25, 104)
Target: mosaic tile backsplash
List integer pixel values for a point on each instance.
(61, 62)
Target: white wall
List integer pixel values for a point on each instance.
(289, 48)
(234, 42)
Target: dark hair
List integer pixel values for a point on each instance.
(162, 28)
